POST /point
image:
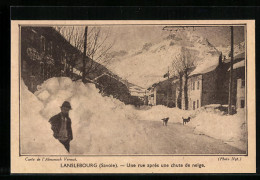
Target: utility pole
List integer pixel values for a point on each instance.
(231, 76)
(84, 55)
(168, 87)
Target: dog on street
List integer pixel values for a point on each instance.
(185, 120)
(165, 121)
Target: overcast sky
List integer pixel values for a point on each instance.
(134, 36)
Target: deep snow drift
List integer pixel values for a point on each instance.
(232, 129)
(36, 134)
(104, 125)
(100, 124)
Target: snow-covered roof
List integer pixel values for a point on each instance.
(106, 74)
(136, 91)
(76, 71)
(238, 56)
(136, 88)
(238, 65)
(209, 64)
(175, 80)
(139, 94)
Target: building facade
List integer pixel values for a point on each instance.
(240, 103)
(211, 86)
(205, 85)
(194, 92)
(44, 54)
(162, 93)
(240, 83)
(151, 96)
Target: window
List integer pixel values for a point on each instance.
(194, 105)
(197, 103)
(33, 35)
(50, 48)
(63, 56)
(24, 66)
(242, 83)
(242, 103)
(42, 43)
(198, 85)
(42, 69)
(193, 86)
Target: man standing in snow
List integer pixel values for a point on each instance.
(61, 125)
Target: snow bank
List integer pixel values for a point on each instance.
(36, 135)
(207, 120)
(100, 124)
(104, 125)
(229, 128)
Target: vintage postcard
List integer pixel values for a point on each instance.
(133, 96)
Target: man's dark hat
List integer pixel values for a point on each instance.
(66, 104)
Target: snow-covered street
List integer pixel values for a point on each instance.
(179, 139)
(104, 125)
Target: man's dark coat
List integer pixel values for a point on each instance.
(56, 125)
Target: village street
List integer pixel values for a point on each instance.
(117, 107)
(179, 139)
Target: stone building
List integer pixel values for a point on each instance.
(45, 53)
(162, 93)
(239, 81)
(210, 84)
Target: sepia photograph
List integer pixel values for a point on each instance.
(133, 96)
(133, 89)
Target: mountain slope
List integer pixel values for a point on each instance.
(148, 65)
(238, 49)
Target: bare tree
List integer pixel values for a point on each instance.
(97, 49)
(182, 65)
(187, 61)
(74, 35)
(96, 42)
(177, 68)
(58, 28)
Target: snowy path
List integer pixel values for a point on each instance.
(104, 125)
(179, 139)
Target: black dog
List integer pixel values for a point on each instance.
(165, 121)
(186, 120)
